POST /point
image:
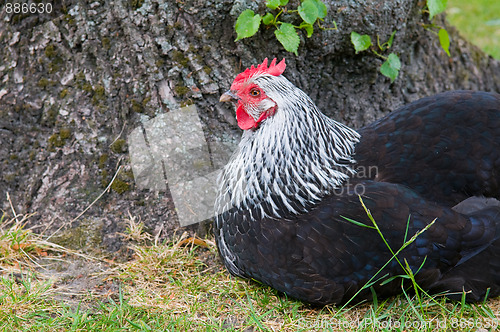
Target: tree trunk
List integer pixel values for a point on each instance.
(79, 83)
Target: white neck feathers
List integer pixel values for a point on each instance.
(291, 161)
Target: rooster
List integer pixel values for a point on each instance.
(294, 200)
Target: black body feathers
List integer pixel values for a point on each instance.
(413, 167)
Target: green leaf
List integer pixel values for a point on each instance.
(357, 223)
(390, 68)
(388, 280)
(273, 4)
(391, 40)
(288, 37)
(268, 19)
(308, 11)
(444, 40)
(322, 10)
(436, 7)
(308, 27)
(283, 2)
(247, 24)
(360, 42)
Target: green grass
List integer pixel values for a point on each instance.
(183, 288)
(478, 21)
(181, 285)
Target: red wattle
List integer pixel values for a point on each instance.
(245, 121)
(266, 114)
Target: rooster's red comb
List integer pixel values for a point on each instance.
(274, 70)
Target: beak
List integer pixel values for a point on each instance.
(228, 96)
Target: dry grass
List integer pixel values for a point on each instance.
(188, 284)
(181, 285)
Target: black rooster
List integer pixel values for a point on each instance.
(289, 210)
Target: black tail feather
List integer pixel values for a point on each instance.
(478, 272)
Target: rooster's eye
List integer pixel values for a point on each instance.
(254, 93)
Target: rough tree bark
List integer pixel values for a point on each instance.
(74, 84)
